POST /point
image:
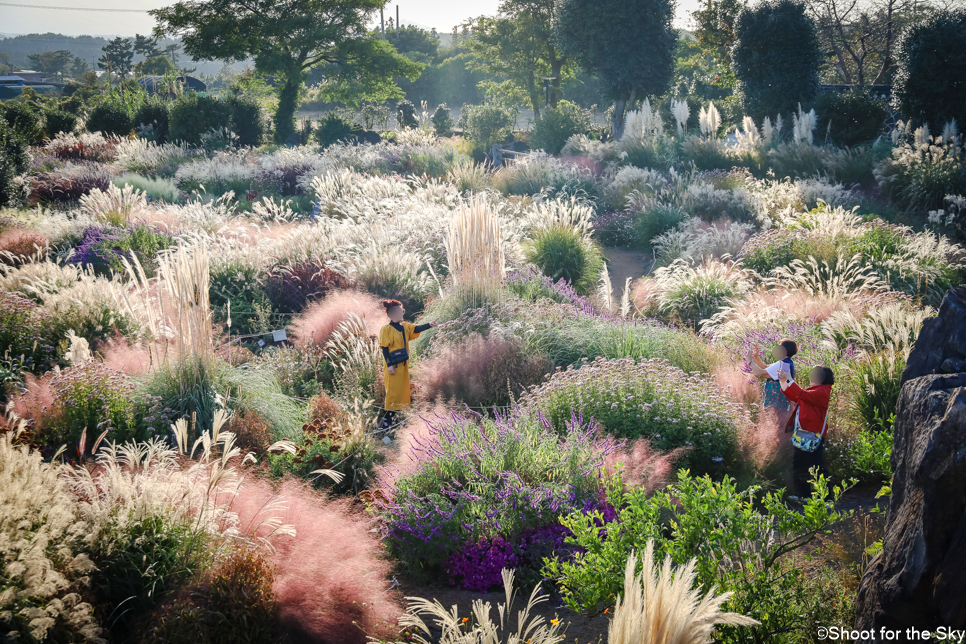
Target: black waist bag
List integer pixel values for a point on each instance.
(399, 355)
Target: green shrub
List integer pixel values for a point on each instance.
(875, 390)
(713, 523)
(92, 399)
(850, 118)
(647, 398)
(57, 121)
(154, 113)
(554, 126)
(406, 114)
(236, 603)
(13, 161)
(247, 120)
(871, 455)
(333, 128)
(25, 331)
(706, 153)
(110, 117)
(487, 124)
(25, 121)
(442, 121)
(930, 65)
(564, 253)
(691, 293)
(653, 221)
(920, 173)
(193, 115)
(157, 190)
(797, 160)
(776, 58)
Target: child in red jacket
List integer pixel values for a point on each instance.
(810, 415)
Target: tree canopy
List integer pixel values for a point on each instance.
(776, 57)
(289, 37)
(628, 44)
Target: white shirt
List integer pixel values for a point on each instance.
(774, 368)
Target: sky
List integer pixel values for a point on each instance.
(442, 14)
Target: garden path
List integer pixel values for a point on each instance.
(623, 263)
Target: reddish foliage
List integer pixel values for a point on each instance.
(69, 183)
(291, 288)
(19, 246)
(330, 581)
(323, 408)
(251, 431)
(320, 319)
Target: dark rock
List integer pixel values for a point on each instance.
(919, 579)
(293, 140)
(942, 338)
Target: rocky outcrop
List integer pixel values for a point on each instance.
(919, 579)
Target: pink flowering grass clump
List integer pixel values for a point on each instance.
(317, 322)
(331, 581)
(480, 371)
(642, 466)
(646, 398)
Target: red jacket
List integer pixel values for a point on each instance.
(812, 406)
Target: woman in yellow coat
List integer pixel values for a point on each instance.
(392, 338)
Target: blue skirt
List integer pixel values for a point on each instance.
(772, 396)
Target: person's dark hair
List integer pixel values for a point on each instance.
(790, 346)
(828, 377)
(388, 304)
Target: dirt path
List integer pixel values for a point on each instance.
(623, 263)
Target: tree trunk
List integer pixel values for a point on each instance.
(620, 107)
(617, 119)
(556, 67)
(288, 97)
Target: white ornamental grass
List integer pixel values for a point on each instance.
(643, 125)
(415, 136)
(116, 206)
(665, 605)
(219, 174)
(696, 239)
(893, 327)
(803, 126)
(150, 158)
(709, 121)
(483, 630)
(44, 544)
(681, 112)
(561, 212)
(842, 279)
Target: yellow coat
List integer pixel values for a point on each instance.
(397, 385)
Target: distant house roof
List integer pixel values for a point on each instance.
(11, 80)
(150, 83)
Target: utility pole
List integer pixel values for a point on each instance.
(397, 23)
(382, 22)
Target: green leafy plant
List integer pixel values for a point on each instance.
(745, 542)
(850, 118)
(442, 121)
(487, 124)
(565, 253)
(555, 125)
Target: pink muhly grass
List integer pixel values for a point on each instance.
(331, 580)
(416, 432)
(765, 446)
(119, 355)
(479, 371)
(643, 465)
(36, 404)
(741, 387)
(317, 322)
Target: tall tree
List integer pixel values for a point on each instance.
(628, 44)
(78, 67)
(172, 51)
(289, 37)
(775, 57)
(52, 63)
(518, 45)
(715, 26)
(146, 46)
(118, 56)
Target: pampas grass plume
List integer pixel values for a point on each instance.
(664, 607)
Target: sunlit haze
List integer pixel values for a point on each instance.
(441, 14)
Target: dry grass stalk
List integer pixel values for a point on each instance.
(474, 250)
(661, 607)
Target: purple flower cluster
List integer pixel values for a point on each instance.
(530, 282)
(478, 478)
(812, 346)
(103, 247)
